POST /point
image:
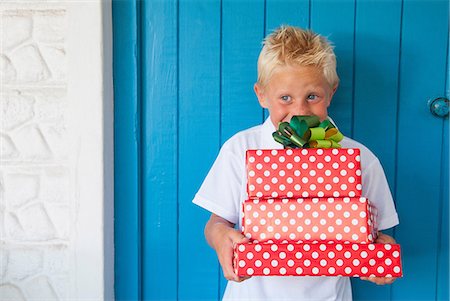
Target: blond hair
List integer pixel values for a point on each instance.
(293, 46)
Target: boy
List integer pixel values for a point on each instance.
(296, 76)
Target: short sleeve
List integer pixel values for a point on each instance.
(376, 189)
(220, 192)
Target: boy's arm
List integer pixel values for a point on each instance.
(221, 236)
(382, 239)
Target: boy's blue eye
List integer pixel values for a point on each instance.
(286, 98)
(312, 97)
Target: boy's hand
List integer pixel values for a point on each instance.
(382, 239)
(222, 236)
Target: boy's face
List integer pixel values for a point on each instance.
(294, 91)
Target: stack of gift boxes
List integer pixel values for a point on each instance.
(305, 216)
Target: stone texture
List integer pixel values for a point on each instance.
(55, 57)
(10, 292)
(61, 284)
(56, 139)
(36, 223)
(16, 109)
(50, 26)
(13, 229)
(2, 225)
(7, 71)
(3, 262)
(20, 189)
(37, 188)
(57, 260)
(8, 150)
(60, 218)
(16, 29)
(33, 45)
(29, 64)
(24, 262)
(50, 106)
(32, 144)
(39, 273)
(40, 288)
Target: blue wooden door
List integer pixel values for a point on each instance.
(183, 75)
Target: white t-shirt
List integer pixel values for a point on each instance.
(224, 190)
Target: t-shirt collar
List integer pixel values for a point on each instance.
(266, 136)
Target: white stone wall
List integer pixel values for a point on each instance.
(52, 151)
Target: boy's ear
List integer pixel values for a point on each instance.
(332, 93)
(334, 89)
(260, 94)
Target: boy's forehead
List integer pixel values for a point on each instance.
(296, 74)
(296, 68)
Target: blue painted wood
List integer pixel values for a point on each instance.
(286, 12)
(442, 290)
(443, 255)
(242, 33)
(199, 142)
(197, 67)
(126, 138)
(159, 149)
(377, 51)
(423, 63)
(339, 28)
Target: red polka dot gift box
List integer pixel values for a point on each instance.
(313, 172)
(324, 259)
(310, 219)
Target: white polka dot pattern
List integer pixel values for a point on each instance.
(304, 173)
(319, 259)
(317, 219)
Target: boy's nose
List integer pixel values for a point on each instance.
(300, 109)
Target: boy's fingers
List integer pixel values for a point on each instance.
(226, 261)
(379, 280)
(228, 273)
(244, 278)
(226, 258)
(385, 239)
(227, 266)
(238, 237)
(382, 240)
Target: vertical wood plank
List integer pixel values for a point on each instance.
(377, 47)
(286, 12)
(199, 141)
(242, 33)
(442, 292)
(159, 149)
(335, 20)
(443, 260)
(423, 63)
(442, 289)
(376, 61)
(126, 138)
